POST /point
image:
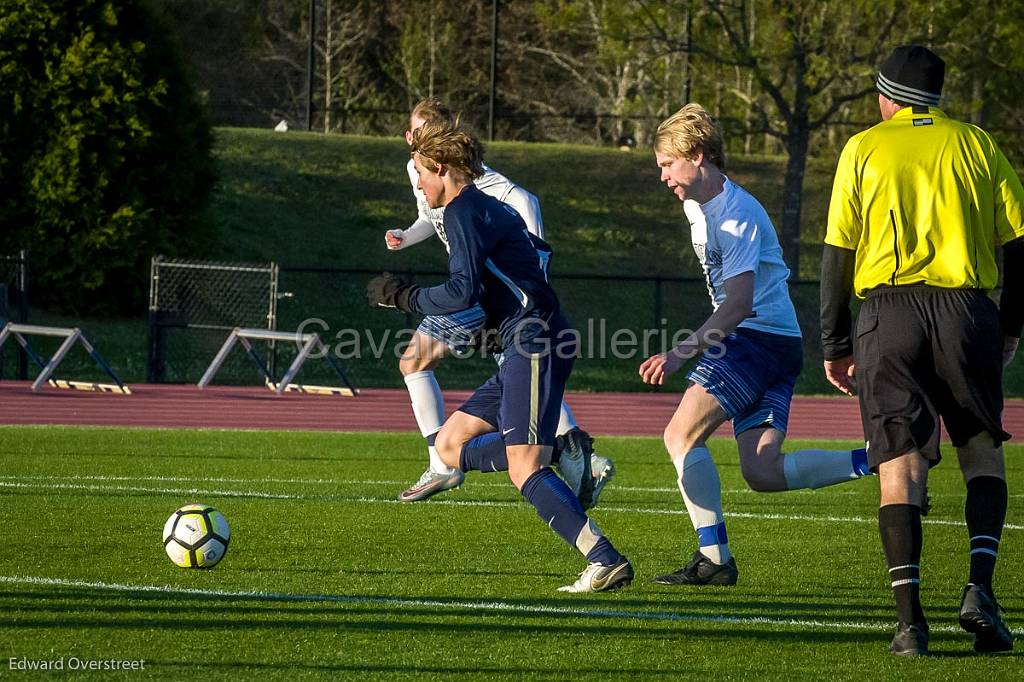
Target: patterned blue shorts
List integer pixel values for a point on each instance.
(753, 378)
(456, 330)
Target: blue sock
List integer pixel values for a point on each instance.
(859, 460)
(484, 453)
(558, 507)
(712, 536)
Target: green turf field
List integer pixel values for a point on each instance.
(328, 577)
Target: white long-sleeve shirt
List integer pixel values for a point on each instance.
(430, 221)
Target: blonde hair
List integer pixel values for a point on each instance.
(690, 131)
(451, 144)
(432, 109)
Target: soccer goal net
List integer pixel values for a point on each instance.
(194, 304)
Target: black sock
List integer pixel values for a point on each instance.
(985, 511)
(900, 528)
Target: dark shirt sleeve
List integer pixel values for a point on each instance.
(836, 288)
(1011, 301)
(466, 257)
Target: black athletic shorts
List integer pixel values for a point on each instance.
(922, 352)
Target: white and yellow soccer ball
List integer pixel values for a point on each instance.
(196, 536)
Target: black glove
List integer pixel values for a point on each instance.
(390, 291)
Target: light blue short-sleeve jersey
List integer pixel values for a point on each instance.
(733, 234)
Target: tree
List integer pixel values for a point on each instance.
(983, 46)
(104, 150)
(345, 82)
(809, 60)
(576, 63)
(440, 50)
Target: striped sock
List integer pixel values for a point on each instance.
(702, 493)
(558, 507)
(900, 528)
(985, 511)
(484, 453)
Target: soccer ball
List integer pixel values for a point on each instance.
(196, 536)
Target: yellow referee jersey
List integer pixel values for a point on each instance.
(923, 199)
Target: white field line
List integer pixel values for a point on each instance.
(162, 491)
(444, 502)
(336, 481)
(498, 607)
(356, 481)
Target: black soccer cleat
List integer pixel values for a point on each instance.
(979, 615)
(575, 449)
(911, 640)
(701, 571)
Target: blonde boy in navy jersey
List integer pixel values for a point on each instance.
(509, 422)
(586, 472)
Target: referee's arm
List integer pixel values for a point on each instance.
(1011, 310)
(836, 320)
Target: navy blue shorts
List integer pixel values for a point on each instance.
(524, 398)
(753, 379)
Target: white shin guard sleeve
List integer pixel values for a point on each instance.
(702, 493)
(427, 401)
(817, 468)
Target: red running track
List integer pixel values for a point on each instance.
(376, 409)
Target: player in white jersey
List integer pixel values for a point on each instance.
(438, 335)
(751, 349)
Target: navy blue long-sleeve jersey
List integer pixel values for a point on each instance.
(493, 261)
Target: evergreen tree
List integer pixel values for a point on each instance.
(105, 150)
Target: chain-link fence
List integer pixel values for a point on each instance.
(621, 321)
(193, 305)
(14, 308)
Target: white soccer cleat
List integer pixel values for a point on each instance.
(598, 578)
(575, 448)
(430, 484)
(602, 469)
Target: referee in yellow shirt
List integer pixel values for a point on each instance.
(919, 204)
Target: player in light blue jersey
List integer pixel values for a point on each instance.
(750, 347)
(440, 334)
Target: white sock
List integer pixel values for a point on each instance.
(436, 464)
(817, 468)
(702, 492)
(428, 408)
(566, 420)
